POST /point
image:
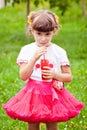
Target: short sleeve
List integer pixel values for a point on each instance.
(64, 59)
(22, 57)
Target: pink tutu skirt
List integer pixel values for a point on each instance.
(39, 101)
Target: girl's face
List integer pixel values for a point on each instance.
(43, 38)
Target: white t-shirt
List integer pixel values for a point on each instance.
(56, 55)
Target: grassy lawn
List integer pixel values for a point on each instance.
(72, 37)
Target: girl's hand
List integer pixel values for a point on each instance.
(65, 76)
(47, 72)
(39, 52)
(58, 85)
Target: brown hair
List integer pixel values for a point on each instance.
(43, 21)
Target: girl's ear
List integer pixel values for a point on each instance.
(32, 31)
(55, 31)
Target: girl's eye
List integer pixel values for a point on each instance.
(38, 33)
(47, 34)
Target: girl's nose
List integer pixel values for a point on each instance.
(43, 38)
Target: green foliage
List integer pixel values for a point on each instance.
(77, 1)
(61, 4)
(72, 37)
(7, 0)
(16, 1)
(36, 2)
(13, 2)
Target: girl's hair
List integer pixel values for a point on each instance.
(43, 21)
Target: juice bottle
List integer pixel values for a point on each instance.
(44, 62)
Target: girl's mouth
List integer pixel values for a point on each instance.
(43, 44)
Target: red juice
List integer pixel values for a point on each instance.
(44, 62)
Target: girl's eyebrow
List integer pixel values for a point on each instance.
(38, 32)
(48, 33)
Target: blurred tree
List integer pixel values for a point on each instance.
(83, 3)
(64, 4)
(83, 8)
(12, 2)
(2, 3)
(61, 4)
(27, 13)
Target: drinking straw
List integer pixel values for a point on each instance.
(44, 56)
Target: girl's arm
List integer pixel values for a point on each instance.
(65, 76)
(26, 69)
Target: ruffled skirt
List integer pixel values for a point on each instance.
(40, 102)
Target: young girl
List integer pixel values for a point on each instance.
(46, 67)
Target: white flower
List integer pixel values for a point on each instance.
(80, 122)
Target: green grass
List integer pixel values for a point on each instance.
(72, 37)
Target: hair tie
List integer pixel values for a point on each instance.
(56, 18)
(29, 19)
